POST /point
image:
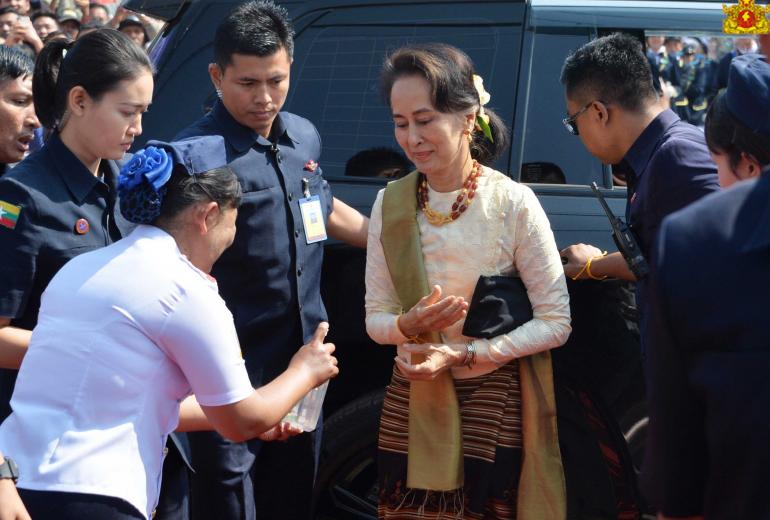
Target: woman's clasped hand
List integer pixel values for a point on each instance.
(438, 358)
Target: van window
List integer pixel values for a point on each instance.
(335, 85)
(551, 155)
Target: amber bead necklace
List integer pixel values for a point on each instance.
(460, 205)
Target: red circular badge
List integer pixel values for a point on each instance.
(82, 226)
(746, 19)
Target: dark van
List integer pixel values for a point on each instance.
(518, 48)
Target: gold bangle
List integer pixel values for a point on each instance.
(575, 278)
(588, 267)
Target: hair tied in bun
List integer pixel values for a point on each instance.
(141, 185)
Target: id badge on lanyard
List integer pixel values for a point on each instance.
(312, 215)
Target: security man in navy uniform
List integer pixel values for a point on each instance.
(270, 277)
(709, 355)
(612, 105)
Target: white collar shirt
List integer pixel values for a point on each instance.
(125, 333)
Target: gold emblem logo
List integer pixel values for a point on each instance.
(746, 18)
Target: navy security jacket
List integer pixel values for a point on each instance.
(708, 362)
(270, 277)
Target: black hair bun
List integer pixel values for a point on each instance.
(141, 204)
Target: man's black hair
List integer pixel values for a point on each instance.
(43, 14)
(14, 64)
(256, 28)
(613, 70)
(8, 9)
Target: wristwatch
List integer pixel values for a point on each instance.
(8, 469)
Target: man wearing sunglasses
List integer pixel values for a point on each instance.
(613, 107)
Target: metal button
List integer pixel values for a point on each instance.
(300, 307)
(290, 197)
(165, 451)
(296, 233)
(299, 272)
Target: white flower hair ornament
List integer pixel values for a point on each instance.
(482, 119)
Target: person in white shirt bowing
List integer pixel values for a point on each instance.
(470, 410)
(127, 332)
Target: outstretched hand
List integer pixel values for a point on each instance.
(433, 313)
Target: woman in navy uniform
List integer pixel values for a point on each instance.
(60, 201)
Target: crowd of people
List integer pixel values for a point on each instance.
(29, 24)
(690, 71)
(174, 294)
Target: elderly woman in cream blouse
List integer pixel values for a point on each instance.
(468, 427)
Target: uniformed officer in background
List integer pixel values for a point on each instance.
(670, 61)
(17, 112)
(741, 45)
(656, 54)
(690, 104)
(270, 277)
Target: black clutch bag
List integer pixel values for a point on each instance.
(499, 305)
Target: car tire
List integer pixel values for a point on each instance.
(633, 424)
(346, 485)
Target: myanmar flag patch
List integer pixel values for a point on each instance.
(9, 214)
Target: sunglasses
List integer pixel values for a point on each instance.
(570, 122)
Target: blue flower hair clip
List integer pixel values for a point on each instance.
(141, 185)
(142, 181)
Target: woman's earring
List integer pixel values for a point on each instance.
(219, 93)
(468, 136)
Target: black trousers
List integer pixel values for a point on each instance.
(253, 480)
(174, 499)
(58, 505)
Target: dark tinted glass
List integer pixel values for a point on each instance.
(551, 154)
(336, 71)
